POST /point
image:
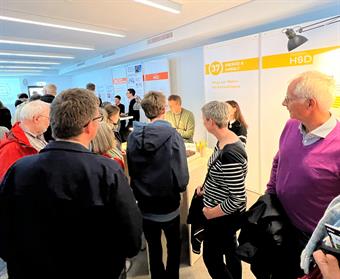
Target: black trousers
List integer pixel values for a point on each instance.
(287, 265)
(153, 232)
(219, 242)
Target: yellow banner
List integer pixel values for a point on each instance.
(217, 67)
(336, 103)
(299, 58)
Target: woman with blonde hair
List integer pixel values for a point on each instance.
(104, 144)
(236, 123)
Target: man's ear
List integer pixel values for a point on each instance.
(312, 103)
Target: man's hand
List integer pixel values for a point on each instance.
(328, 265)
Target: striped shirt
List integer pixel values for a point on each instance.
(225, 182)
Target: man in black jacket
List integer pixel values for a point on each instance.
(67, 212)
(159, 172)
(50, 91)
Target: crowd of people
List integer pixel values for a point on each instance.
(68, 209)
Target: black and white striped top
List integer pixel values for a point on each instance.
(225, 182)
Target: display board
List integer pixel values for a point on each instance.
(255, 71)
(321, 52)
(134, 75)
(157, 76)
(9, 90)
(231, 73)
(119, 82)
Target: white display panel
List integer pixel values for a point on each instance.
(9, 90)
(119, 81)
(157, 76)
(231, 73)
(321, 52)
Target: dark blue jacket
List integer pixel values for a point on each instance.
(158, 166)
(67, 213)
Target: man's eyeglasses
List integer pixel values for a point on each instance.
(287, 99)
(44, 116)
(100, 118)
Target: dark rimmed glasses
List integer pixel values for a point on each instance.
(100, 118)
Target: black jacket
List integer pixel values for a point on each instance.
(48, 134)
(132, 112)
(5, 118)
(158, 166)
(263, 236)
(197, 220)
(67, 213)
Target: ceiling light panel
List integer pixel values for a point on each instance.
(28, 62)
(20, 71)
(59, 26)
(25, 43)
(25, 67)
(165, 5)
(17, 54)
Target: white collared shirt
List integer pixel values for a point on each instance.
(319, 133)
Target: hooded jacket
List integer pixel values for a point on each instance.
(158, 166)
(14, 146)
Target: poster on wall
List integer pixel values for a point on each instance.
(119, 82)
(321, 52)
(156, 76)
(9, 89)
(135, 78)
(232, 73)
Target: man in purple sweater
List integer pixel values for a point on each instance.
(305, 174)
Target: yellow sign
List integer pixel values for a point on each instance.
(215, 68)
(336, 103)
(299, 58)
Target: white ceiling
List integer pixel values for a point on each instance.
(138, 22)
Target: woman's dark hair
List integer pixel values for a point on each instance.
(238, 113)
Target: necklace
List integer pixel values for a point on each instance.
(179, 120)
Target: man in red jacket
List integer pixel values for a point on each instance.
(25, 137)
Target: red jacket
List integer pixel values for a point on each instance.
(14, 146)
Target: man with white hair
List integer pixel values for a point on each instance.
(26, 136)
(305, 174)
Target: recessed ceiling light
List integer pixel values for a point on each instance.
(25, 71)
(61, 26)
(35, 55)
(165, 5)
(43, 44)
(24, 67)
(28, 62)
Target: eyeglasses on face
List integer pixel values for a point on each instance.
(287, 99)
(100, 118)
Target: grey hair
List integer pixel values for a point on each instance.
(32, 109)
(216, 111)
(314, 84)
(50, 89)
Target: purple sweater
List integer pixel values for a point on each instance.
(306, 178)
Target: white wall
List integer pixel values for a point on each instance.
(21, 83)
